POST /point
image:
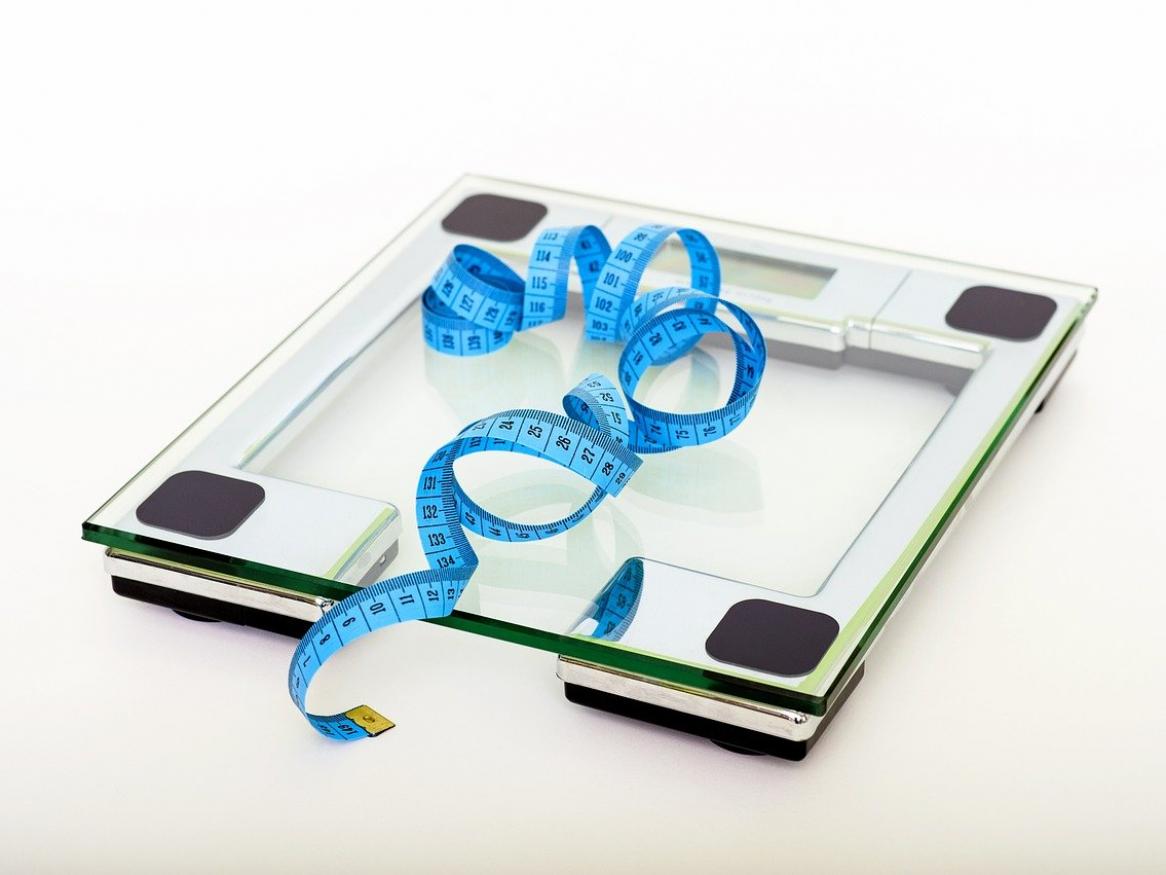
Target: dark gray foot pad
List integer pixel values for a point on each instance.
(1004, 313)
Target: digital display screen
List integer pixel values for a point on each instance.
(743, 270)
(751, 271)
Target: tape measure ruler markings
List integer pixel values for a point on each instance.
(474, 306)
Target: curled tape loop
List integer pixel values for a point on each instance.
(474, 306)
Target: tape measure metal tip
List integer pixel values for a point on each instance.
(369, 720)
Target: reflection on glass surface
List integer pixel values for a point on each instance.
(776, 504)
(615, 606)
(743, 270)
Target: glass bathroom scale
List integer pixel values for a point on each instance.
(731, 590)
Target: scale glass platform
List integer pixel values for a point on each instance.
(752, 574)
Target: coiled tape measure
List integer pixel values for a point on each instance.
(473, 307)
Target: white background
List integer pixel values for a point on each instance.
(180, 186)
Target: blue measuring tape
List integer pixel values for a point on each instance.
(474, 306)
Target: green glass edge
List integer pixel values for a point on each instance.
(887, 594)
(880, 604)
(208, 560)
(599, 652)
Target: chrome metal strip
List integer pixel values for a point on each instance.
(767, 719)
(234, 591)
